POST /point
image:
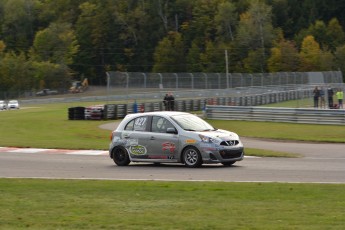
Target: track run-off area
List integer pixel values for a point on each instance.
(321, 163)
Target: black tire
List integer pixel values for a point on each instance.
(120, 156)
(192, 157)
(228, 163)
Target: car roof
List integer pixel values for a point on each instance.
(158, 113)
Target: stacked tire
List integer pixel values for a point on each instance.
(109, 112)
(94, 112)
(76, 113)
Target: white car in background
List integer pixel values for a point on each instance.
(3, 105)
(13, 104)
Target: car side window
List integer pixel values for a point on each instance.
(140, 124)
(137, 124)
(130, 125)
(160, 124)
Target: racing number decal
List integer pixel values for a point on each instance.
(140, 121)
(140, 124)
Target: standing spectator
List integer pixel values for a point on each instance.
(322, 98)
(330, 94)
(166, 102)
(171, 101)
(316, 93)
(340, 96)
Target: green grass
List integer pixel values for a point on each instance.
(47, 126)
(284, 131)
(270, 153)
(77, 204)
(90, 204)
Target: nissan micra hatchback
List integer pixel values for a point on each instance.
(173, 137)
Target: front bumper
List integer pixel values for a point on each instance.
(221, 154)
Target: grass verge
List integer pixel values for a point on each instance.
(284, 131)
(47, 126)
(269, 153)
(76, 204)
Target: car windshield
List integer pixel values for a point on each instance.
(192, 123)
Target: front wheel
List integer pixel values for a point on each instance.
(192, 157)
(120, 156)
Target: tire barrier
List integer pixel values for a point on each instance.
(94, 112)
(76, 113)
(109, 112)
(196, 105)
(119, 111)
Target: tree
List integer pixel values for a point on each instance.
(18, 17)
(212, 59)
(136, 28)
(340, 59)
(319, 32)
(169, 55)
(310, 54)
(15, 73)
(56, 44)
(226, 19)
(2, 47)
(251, 63)
(335, 34)
(255, 31)
(53, 50)
(284, 57)
(193, 58)
(201, 27)
(50, 75)
(327, 61)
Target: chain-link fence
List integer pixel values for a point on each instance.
(135, 86)
(152, 87)
(191, 81)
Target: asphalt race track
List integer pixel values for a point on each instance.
(322, 163)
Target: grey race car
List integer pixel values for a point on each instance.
(173, 137)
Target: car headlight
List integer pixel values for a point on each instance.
(207, 139)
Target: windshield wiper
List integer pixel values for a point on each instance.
(189, 129)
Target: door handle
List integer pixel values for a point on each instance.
(152, 138)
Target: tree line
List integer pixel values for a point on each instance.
(46, 43)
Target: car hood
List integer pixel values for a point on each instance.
(220, 133)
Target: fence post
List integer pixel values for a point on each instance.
(192, 80)
(176, 82)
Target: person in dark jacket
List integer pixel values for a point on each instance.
(316, 93)
(330, 94)
(171, 100)
(166, 102)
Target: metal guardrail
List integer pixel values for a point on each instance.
(291, 115)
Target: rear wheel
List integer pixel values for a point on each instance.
(192, 157)
(120, 156)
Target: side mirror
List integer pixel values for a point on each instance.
(171, 130)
